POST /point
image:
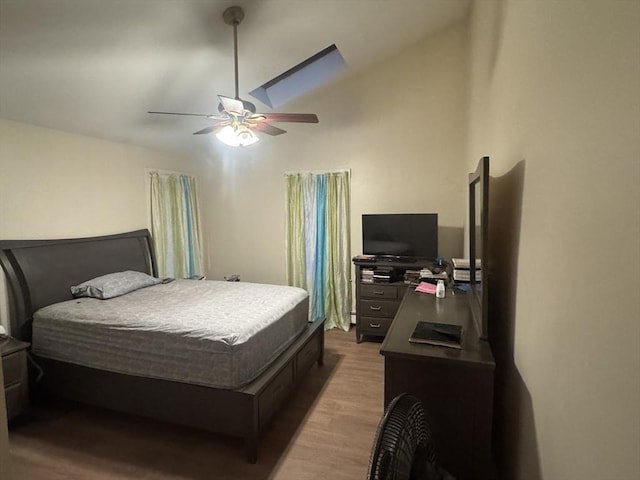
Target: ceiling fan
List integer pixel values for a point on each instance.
(236, 121)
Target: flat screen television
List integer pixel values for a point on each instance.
(400, 236)
(479, 246)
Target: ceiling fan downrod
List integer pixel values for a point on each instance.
(233, 16)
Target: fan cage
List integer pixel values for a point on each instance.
(402, 449)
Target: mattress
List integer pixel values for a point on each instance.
(216, 334)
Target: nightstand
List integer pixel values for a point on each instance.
(16, 378)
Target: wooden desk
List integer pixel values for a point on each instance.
(456, 386)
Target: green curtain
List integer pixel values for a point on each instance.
(175, 225)
(318, 243)
(295, 251)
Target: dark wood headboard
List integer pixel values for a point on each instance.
(41, 272)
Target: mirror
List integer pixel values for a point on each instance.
(479, 246)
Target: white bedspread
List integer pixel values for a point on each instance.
(218, 334)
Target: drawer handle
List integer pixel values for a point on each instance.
(374, 325)
(378, 292)
(375, 308)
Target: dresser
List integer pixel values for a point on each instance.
(455, 385)
(16, 379)
(378, 302)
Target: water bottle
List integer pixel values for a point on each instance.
(440, 289)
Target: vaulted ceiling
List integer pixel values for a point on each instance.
(95, 67)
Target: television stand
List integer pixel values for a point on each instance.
(396, 258)
(378, 302)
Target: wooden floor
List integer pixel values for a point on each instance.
(325, 431)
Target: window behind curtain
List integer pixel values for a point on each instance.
(318, 243)
(175, 225)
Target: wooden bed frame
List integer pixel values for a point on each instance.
(40, 272)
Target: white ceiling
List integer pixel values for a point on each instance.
(95, 67)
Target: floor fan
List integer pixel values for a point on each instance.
(402, 449)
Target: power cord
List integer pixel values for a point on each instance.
(36, 366)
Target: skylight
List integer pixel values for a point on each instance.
(304, 77)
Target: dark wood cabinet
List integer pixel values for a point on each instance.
(377, 303)
(16, 380)
(455, 386)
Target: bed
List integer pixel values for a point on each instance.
(40, 274)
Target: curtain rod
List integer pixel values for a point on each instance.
(318, 172)
(168, 172)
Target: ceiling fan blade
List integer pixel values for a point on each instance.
(267, 128)
(220, 123)
(205, 131)
(252, 120)
(232, 105)
(189, 114)
(291, 117)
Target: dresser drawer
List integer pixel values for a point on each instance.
(375, 325)
(275, 391)
(13, 366)
(389, 292)
(378, 308)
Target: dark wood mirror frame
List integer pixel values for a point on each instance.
(479, 246)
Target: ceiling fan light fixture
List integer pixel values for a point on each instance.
(237, 136)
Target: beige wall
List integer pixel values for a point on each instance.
(57, 185)
(555, 101)
(401, 129)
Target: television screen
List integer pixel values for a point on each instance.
(401, 235)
